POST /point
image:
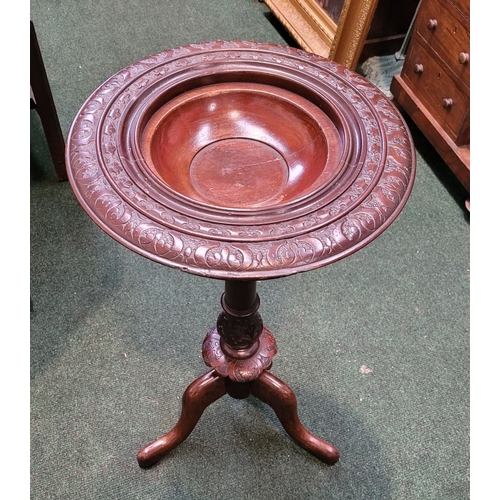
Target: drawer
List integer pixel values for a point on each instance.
(448, 34)
(463, 6)
(436, 88)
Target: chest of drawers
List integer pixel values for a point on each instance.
(434, 84)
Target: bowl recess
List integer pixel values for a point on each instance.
(242, 146)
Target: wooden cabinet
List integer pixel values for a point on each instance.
(434, 84)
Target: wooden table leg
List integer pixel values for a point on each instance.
(239, 350)
(197, 397)
(272, 391)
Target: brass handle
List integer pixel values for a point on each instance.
(418, 68)
(432, 24)
(447, 103)
(463, 58)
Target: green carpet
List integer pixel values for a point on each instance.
(116, 338)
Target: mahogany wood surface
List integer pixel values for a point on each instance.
(456, 157)
(434, 84)
(240, 161)
(196, 398)
(239, 370)
(210, 387)
(272, 391)
(42, 102)
(235, 125)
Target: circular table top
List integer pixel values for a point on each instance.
(240, 160)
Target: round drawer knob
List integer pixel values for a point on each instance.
(447, 103)
(418, 68)
(463, 58)
(432, 24)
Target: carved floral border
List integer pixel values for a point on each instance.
(129, 212)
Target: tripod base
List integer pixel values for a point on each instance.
(210, 387)
(239, 350)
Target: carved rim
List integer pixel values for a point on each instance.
(111, 180)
